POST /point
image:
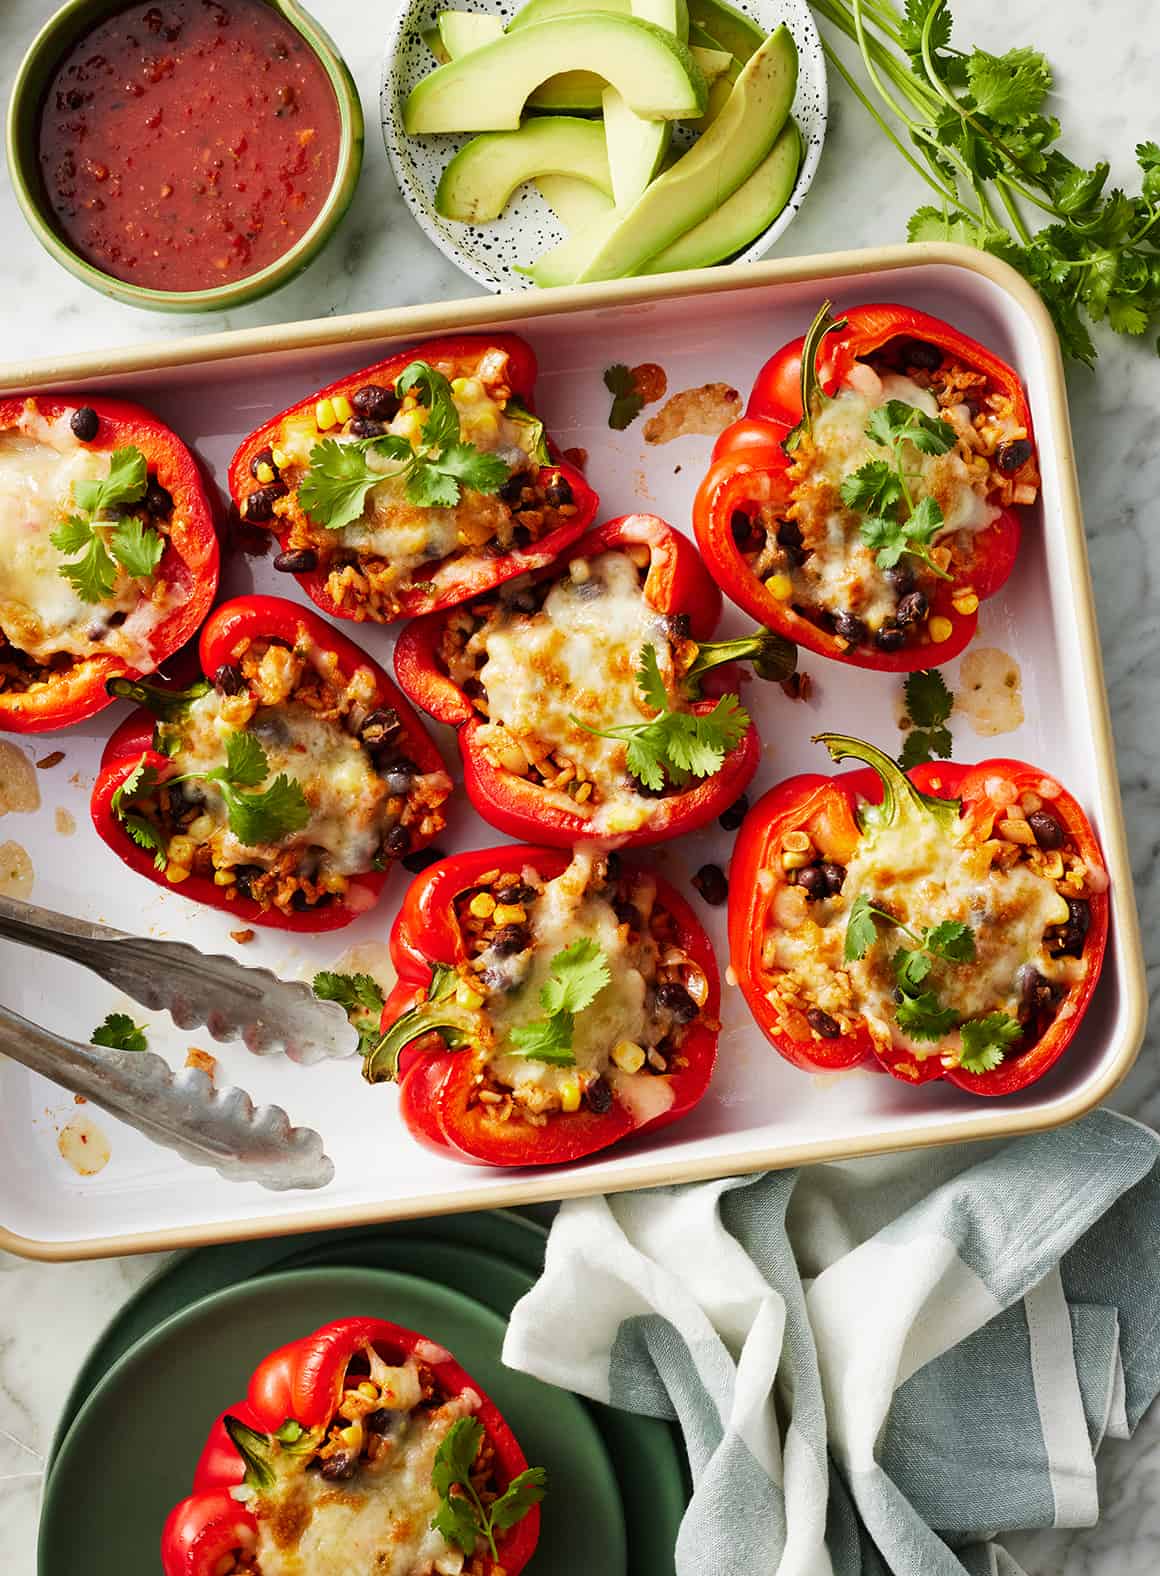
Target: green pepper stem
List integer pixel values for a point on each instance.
(255, 1451)
(900, 798)
(773, 657)
(811, 385)
(436, 1015)
(166, 704)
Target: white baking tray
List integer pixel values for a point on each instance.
(718, 325)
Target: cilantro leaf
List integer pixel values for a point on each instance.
(525, 1490)
(650, 681)
(458, 1521)
(874, 488)
(137, 547)
(951, 940)
(349, 990)
(861, 929)
(917, 749)
(911, 968)
(462, 1518)
(94, 574)
(75, 534)
(333, 491)
(985, 1041)
(126, 482)
(268, 817)
(896, 422)
(917, 12)
(431, 488)
(441, 428)
(1008, 88)
(247, 763)
(924, 1017)
(146, 836)
(578, 974)
(472, 467)
(627, 403)
(119, 1033)
(937, 224)
(546, 1039)
(140, 781)
(928, 700)
(644, 758)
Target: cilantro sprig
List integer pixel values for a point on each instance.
(577, 976)
(978, 129)
(362, 998)
(627, 400)
(929, 704)
(119, 1033)
(462, 1517)
(675, 745)
(895, 522)
(104, 539)
(434, 470)
(986, 1041)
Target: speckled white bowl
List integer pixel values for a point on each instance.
(491, 253)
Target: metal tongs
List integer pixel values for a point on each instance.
(183, 1110)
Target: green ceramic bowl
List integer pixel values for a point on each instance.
(47, 49)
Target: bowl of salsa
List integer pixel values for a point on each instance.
(184, 155)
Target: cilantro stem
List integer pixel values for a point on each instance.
(1013, 213)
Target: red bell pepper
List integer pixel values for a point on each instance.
(427, 1051)
(302, 1401)
(61, 695)
(224, 639)
(675, 584)
(440, 582)
(845, 815)
(751, 468)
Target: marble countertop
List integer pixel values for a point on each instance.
(50, 1314)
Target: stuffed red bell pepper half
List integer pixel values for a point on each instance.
(950, 921)
(108, 554)
(415, 484)
(363, 1447)
(577, 693)
(548, 1005)
(283, 785)
(868, 500)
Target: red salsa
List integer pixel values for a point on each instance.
(188, 143)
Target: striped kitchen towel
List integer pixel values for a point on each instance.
(879, 1365)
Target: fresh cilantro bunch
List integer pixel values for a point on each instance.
(929, 704)
(894, 522)
(462, 1517)
(119, 1033)
(675, 745)
(103, 539)
(435, 470)
(977, 128)
(253, 818)
(578, 974)
(361, 996)
(920, 1011)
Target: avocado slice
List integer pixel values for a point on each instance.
(741, 218)
(582, 91)
(562, 265)
(486, 90)
(576, 203)
(728, 27)
(478, 182)
(712, 170)
(462, 31)
(714, 63)
(569, 90)
(635, 148)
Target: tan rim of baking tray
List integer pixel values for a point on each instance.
(415, 321)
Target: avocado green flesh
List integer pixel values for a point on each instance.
(657, 11)
(724, 157)
(482, 176)
(575, 203)
(741, 218)
(728, 27)
(463, 31)
(486, 89)
(563, 264)
(635, 148)
(714, 63)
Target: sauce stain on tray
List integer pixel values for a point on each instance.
(66, 823)
(83, 1146)
(19, 789)
(989, 693)
(17, 876)
(699, 412)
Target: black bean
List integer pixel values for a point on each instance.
(675, 998)
(373, 400)
(613, 865)
(421, 858)
(626, 913)
(917, 353)
(399, 779)
(1048, 831)
(340, 1468)
(741, 525)
(85, 423)
(729, 820)
(382, 1421)
(1013, 455)
(300, 562)
(263, 457)
(850, 628)
(397, 842)
(519, 892)
(381, 726)
(789, 533)
(512, 490)
(559, 492)
(812, 880)
(521, 537)
(260, 503)
(1070, 939)
(821, 1023)
(890, 638)
(1036, 993)
(835, 876)
(901, 577)
(679, 626)
(228, 680)
(912, 609)
(244, 875)
(598, 1096)
(710, 882)
(363, 427)
(158, 500)
(300, 901)
(510, 939)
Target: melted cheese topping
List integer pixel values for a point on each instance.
(379, 1521)
(578, 656)
(345, 794)
(563, 912)
(923, 876)
(40, 613)
(841, 572)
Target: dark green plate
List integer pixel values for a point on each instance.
(129, 1454)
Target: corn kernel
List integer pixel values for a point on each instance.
(181, 850)
(352, 1436)
(367, 1389)
(1058, 913)
(280, 457)
(628, 1056)
(202, 829)
(966, 604)
(798, 842)
(467, 997)
(486, 424)
(1017, 832)
(482, 905)
(1052, 866)
(469, 388)
(342, 408)
(624, 818)
(509, 914)
(940, 629)
(409, 425)
(780, 586)
(324, 414)
(570, 1096)
(224, 878)
(265, 473)
(794, 859)
(176, 873)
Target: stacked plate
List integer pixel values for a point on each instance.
(184, 1347)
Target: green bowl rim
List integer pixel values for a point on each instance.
(55, 37)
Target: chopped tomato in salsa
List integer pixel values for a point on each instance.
(188, 143)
